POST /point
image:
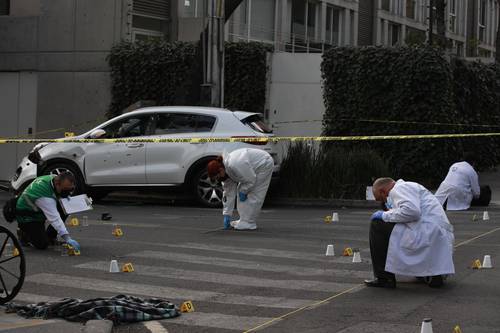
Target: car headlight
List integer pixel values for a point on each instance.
(34, 155)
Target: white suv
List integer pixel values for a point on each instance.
(103, 167)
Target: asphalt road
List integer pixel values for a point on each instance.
(276, 279)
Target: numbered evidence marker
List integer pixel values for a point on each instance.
(476, 264)
(15, 253)
(347, 252)
(187, 306)
(117, 231)
(127, 268)
(457, 329)
(74, 222)
(327, 219)
(71, 251)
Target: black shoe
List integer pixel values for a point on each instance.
(23, 238)
(435, 281)
(381, 283)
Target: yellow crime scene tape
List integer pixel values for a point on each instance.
(256, 139)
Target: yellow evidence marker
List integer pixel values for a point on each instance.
(347, 252)
(69, 134)
(127, 268)
(328, 219)
(476, 264)
(74, 222)
(117, 232)
(187, 306)
(15, 253)
(457, 329)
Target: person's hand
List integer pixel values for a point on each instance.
(73, 243)
(227, 222)
(378, 215)
(243, 197)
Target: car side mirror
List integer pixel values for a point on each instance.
(97, 134)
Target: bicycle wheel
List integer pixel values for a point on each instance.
(12, 265)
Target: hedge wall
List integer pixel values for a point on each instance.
(409, 84)
(245, 76)
(152, 70)
(169, 74)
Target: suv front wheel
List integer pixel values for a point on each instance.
(207, 192)
(57, 168)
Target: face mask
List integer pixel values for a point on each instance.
(389, 203)
(65, 193)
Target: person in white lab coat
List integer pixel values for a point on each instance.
(413, 237)
(460, 186)
(245, 174)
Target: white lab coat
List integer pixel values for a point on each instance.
(459, 187)
(421, 243)
(249, 171)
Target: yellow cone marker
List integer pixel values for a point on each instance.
(69, 134)
(347, 252)
(117, 232)
(128, 268)
(187, 306)
(457, 329)
(15, 253)
(74, 222)
(328, 219)
(476, 264)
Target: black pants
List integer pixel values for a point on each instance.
(380, 233)
(36, 234)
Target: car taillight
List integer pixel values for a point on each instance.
(253, 140)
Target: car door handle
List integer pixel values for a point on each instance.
(135, 145)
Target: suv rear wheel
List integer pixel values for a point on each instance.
(207, 192)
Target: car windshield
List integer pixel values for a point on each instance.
(256, 123)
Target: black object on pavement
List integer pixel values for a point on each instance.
(106, 216)
(484, 197)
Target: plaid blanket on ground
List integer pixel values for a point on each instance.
(119, 309)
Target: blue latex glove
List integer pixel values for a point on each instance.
(227, 222)
(243, 197)
(73, 243)
(377, 215)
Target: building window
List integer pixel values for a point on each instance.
(332, 25)
(395, 34)
(460, 49)
(194, 8)
(482, 20)
(452, 5)
(311, 20)
(386, 5)
(303, 19)
(150, 19)
(410, 9)
(4, 7)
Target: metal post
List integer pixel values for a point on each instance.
(431, 20)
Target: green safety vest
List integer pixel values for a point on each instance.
(41, 187)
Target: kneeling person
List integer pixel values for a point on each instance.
(37, 204)
(413, 237)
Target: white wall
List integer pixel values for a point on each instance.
(296, 94)
(18, 96)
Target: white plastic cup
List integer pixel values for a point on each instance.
(85, 221)
(487, 262)
(330, 250)
(335, 217)
(113, 267)
(426, 326)
(356, 257)
(486, 216)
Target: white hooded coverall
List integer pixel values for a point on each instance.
(249, 171)
(421, 243)
(459, 187)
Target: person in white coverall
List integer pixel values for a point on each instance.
(412, 238)
(245, 174)
(460, 186)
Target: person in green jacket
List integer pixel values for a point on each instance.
(39, 204)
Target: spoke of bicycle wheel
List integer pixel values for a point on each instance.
(4, 243)
(8, 259)
(4, 286)
(9, 272)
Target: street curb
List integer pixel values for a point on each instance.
(98, 326)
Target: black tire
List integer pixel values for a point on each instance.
(206, 192)
(58, 167)
(6, 261)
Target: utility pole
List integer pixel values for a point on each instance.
(213, 54)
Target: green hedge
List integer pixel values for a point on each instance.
(245, 76)
(407, 84)
(308, 172)
(150, 70)
(169, 74)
